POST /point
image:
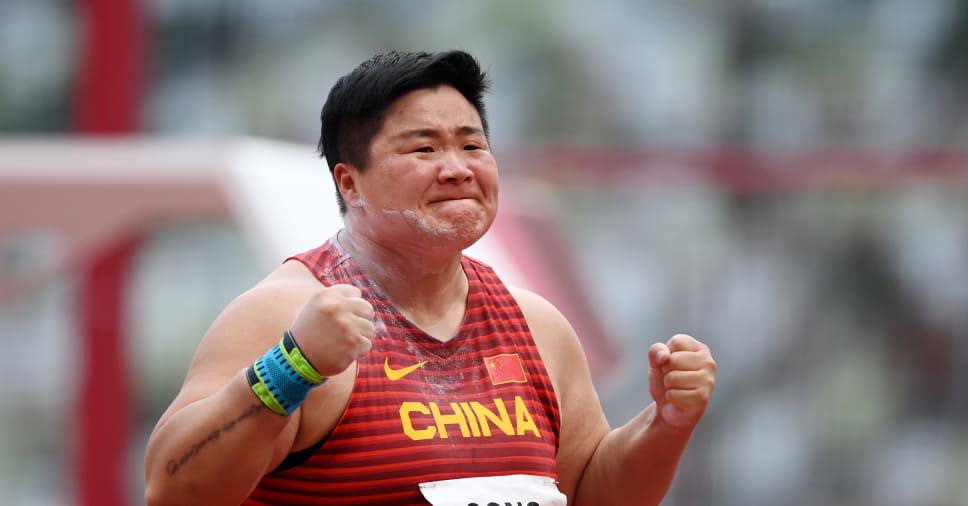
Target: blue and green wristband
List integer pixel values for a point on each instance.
(283, 377)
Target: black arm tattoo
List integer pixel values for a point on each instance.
(175, 465)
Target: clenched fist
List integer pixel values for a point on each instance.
(333, 328)
(682, 374)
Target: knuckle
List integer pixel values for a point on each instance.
(713, 366)
(704, 396)
(682, 339)
(667, 381)
(351, 291)
(323, 301)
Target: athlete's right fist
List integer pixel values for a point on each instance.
(333, 327)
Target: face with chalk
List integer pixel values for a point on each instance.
(431, 181)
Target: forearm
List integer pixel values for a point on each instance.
(212, 451)
(635, 463)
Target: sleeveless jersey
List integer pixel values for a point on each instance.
(422, 410)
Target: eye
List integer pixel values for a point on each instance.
(424, 149)
(472, 147)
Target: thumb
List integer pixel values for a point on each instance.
(659, 355)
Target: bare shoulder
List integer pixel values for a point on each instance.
(249, 325)
(553, 334)
(268, 306)
(541, 314)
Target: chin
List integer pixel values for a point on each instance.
(458, 235)
(466, 223)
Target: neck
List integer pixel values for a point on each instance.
(429, 289)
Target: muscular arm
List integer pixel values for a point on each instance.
(636, 462)
(217, 440)
(639, 460)
(216, 431)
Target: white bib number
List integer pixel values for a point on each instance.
(511, 490)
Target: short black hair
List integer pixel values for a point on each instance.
(356, 105)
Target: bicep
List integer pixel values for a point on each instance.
(234, 340)
(231, 343)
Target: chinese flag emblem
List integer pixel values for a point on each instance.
(505, 368)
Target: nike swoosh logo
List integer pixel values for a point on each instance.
(396, 374)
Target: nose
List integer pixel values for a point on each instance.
(454, 170)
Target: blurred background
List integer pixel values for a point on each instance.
(787, 180)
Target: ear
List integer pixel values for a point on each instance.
(345, 177)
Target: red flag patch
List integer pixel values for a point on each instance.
(505, 368)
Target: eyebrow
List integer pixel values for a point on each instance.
(433, 132)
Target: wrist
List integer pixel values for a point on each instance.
(660, 424)
(283, 377)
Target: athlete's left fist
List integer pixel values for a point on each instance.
(682, 374)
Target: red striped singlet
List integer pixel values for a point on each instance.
(480, 404)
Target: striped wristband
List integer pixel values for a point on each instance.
(283, 377)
